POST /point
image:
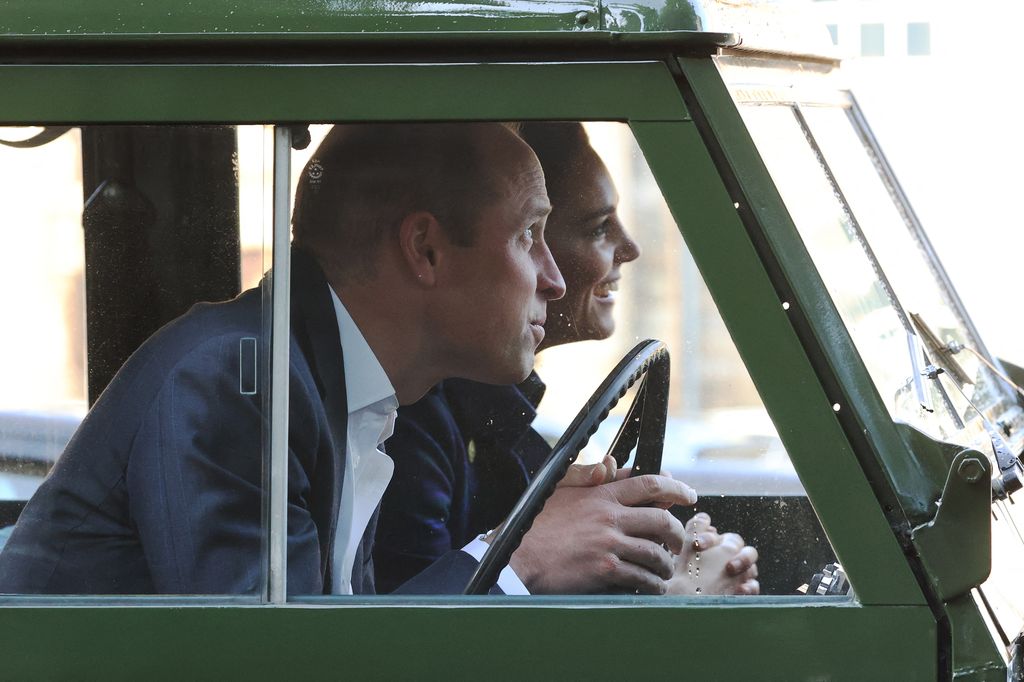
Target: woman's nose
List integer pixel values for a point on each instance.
(627, 250)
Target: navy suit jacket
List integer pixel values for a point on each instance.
(161, 488)
(463, 456)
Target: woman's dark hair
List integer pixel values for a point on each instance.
(560, 147)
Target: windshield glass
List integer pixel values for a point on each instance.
(878, 272)
(922, 352)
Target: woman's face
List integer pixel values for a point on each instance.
(589, 244)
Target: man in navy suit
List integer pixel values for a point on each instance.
(419, 250)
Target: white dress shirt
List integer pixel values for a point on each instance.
(372, 409)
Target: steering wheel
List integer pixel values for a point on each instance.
(644, 428)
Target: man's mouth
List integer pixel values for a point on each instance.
(606, 290)
(537, 328)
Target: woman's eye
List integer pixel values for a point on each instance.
(599, 231)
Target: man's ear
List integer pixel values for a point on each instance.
(421, 241)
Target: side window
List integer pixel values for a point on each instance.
(42, 351)
(113, 235)
(485, 277)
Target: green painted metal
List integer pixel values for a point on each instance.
(935, 459)
(779, 367)
(956, 546)
(975, 657)
(735, 642)
(510, 44)
(115, 93)
(125, 18)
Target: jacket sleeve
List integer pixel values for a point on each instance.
(195, 480)
(448, 575)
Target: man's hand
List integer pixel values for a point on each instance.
(590, 474)
(596, 534)
(714, 564)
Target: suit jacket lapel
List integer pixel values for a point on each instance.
(315, 328)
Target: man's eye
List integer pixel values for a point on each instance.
(528, 234)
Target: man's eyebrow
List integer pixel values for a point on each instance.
(539, 210)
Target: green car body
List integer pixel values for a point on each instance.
(873, 483)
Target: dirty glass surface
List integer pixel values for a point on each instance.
(450, 485)
(879, 274)
(971, 386)
(107, 234)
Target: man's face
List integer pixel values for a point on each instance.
(496, 291)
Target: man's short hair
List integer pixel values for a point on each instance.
(366, 177)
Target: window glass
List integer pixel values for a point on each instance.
(463, 454)
(908, 267)
(919, 39)
(828, 230)
(112, 232)
(883, 282)
(42, 353)
(443, 269)
(872, 40)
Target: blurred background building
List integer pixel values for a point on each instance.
(939, 83)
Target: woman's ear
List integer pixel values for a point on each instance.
(421, 241)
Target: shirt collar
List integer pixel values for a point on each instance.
(366, 382)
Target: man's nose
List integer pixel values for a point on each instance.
(550, 284)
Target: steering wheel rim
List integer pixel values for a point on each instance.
(644, 426)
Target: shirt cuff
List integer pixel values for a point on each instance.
(508, 581)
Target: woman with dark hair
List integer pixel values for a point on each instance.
(466, 451)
